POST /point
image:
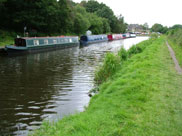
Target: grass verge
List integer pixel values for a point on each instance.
(143, 98)
(178, 51)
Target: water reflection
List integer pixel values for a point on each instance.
(47, 85)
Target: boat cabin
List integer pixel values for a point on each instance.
(40, 41)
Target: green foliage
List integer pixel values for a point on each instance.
(81, 22)
(117, 25)
(96, 24)
(113, 62)
(6, 37)
(175, 40)
(154, 35)
(134, 50)
(52, 17)
(159, 28)
(123, 54)
(109, 67)
(176, 36)
(176, 26)
(106, 26)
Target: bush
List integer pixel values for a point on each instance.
(109, 67)
(123, 54)
(175, 35)
(134, 50)
(154, 36)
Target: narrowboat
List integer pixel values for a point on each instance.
(132, 35)
(37, 44)
(89, 39)
(124, 36)
(127, 35)
(112, 37)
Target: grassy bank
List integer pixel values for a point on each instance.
(175, 40)
(141, 97)
(178, 51)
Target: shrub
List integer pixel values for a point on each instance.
(154, 36)
(176, 36)
(123, 54)
(109, 67)
(134, 50)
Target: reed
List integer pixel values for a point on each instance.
(108, 68)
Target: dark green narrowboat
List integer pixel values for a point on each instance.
(38, 44)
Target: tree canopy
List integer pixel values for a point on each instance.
(159, 28)
(61, 17)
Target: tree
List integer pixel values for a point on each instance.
(81, 22)
(157, 28)
(91, 6)
(47, 16)
(106, 26)
(102, 10)
(145, 26)
(176, 26)
(96, 24)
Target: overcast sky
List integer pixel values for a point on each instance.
(165, 12)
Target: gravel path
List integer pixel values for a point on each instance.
(177, 66)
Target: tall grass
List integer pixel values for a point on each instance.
(175, 35)
(175, 40)
(110, 65)
(112, 62)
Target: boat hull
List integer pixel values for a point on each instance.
(85, 43)
(20, 51)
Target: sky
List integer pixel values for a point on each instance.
(165, 12)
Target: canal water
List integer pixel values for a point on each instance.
(49, 85)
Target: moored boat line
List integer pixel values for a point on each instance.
(25, 45)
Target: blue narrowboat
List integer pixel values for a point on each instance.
(85, 40)
(37, 44)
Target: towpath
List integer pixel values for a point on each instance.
(177, 66)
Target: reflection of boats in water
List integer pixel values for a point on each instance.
(37, 44)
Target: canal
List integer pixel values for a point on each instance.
(49, 85)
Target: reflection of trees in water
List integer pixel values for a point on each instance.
(27, 86)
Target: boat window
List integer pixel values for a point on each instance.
(54, 41)
(36, 42)
(46, 41)
(20, 42)
(61, 40)
(84, 38)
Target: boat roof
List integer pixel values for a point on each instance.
(62, 36)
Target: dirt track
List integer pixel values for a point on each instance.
(177, 66)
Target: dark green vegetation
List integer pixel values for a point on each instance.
(159, 28)
(7, 38)
(141, 97)
(175, 40)
(52, 17)
(164, 29)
